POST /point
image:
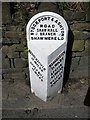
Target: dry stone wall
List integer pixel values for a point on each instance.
(80, 26)
(14, 43)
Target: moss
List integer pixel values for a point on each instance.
(62, 5)
(73, 6)
(78, 45)
(25, 50)
(20, 14)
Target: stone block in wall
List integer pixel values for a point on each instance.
(14, 28)
(13, 34)
(6, 14)
(85, 5)
(84, 61)
(48, 6)
(79, 73)
(78, 45)
(12, 54)
(16, 54)
(0, 79)
(86, 51)
(9, 41)
(0, 32)
(78, 16)
(11, 27)
(12, 51)
(3, 31)
(5, 63)
(88, 15)
(23, 41)
(68, 15)
(24, 55)
(87, 48)
(75, 63)
(77, 54)
(87, 44)
(0, 60)
(80, 26)
(20, 63)
(0, 71)
(80, 35)
(11, 70)
(0, 14)
(4, 51)
(15, 76)
(15, 48)
(26, 71)
(0, 43)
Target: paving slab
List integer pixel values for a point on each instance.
(19, 102)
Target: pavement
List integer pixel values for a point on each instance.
(19, 102)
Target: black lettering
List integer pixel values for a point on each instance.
(41, 38)
(32, 58)
(32, 33)
(56, 30)
(41, 34)
(45, 18)
(45, 25)
(62, 31)
(55, 38)
(48, 30)
(39, 20)
(44, 30)
(62, 34)
(56, 21)
(59, 38)
(48, 18)
(54, 33)
(44, 69)
(60, 26)
(59, 23)
(53, 26)
(36, 22)
(32, 38)
(49, 26)
(33, 28)
(49, 33)
(41, 25)
(46, 38)
(37, 30)
(52, 19)
(51, 38)
(35, 38)
(42, 19)
(51, 30)
(62, 38)
(34, 25)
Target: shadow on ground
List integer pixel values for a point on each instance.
(68, 56)
(87, 98)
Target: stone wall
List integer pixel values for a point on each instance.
(14, 43)
(14, 51)
(80, 27)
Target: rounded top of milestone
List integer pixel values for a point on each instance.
(47, 26)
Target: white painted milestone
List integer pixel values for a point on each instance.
(47, 35)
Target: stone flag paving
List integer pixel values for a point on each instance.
(19, 102)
